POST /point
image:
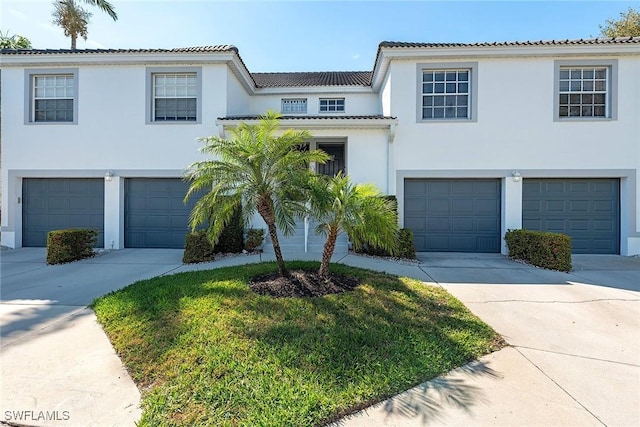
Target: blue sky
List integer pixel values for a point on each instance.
(312, 35)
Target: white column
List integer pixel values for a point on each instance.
(511, 207)
(114, 213)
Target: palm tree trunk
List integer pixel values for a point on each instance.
(73, 42)
(327, 252)
(266, 212)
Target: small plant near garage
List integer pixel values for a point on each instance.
(197, 248)
(540, 248)
(70, 245)
(254, 239)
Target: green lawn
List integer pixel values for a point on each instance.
(205, 350)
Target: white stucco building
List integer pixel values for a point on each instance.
(473, 139)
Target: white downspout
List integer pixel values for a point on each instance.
(392, 135)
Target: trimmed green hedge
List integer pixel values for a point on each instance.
(70, 245)
(255, 238)
(539, 248)
(231, 239)
(405, 248)
(197, 248)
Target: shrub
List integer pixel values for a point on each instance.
(406, 248)
(539, 248)
(255, 238)
(231, 239)
(70, 245)
(197, 248)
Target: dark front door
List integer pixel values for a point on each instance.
(337, 161)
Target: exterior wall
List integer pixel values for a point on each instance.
(238, 100)
(111, 134)
(355, 103)
(515, 130)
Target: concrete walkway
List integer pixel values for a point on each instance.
(575, 355)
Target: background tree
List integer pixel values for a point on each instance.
(258, 170)
(72, 18)
(358, 210)
(628, 25)
(13, 42)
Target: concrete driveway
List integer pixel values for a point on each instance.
(574, 359)
(575, 347)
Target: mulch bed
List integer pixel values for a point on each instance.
(302, 283)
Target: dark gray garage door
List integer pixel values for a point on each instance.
(453, 215)
(588, 210)
(56, 203)
(155, 216)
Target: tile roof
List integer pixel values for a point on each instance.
(322, 78)
(597, 41)
(195, 49)
(312, 117)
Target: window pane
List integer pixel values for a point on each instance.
(438, 113)
(427, 88)
(599, 98)
(574, 111)
(587, 85)
(427, 77)
(601, 73)
(462, 112)
(463, 100)
(564, 98)
(576, 86)
(564, 111)
(463, 76)
(451, 88)
(427, 101)
(588, 73)
(587, 111)
(451, 76)
(427, 113)
(576, 74)
(564, 86)
(438, 100)
(439, 88)
(600, 85)
(463, 87)
(598, 111)
(450, 101)
(439, 77)
(450, 113)
(587, 98)
(564, 74)
(574, 99)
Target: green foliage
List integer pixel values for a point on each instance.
(255, 238)
(539, 248)
(231, 237)
(628, 25)
(70, 245)
(197, 248)
(72, 18)
(257, 170)
(209, 351)
(356, 209)
(406, 248)
(14, 42)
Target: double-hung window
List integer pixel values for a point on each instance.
(446, 92)
(52, 96)
(585, 90)
(174, 95)
(332, 105)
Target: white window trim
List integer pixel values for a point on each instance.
(306, 106)
(473, 91)
(149, 94)
(344, 105)
(612, 88)
(29, 95)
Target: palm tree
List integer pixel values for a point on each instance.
(73, 19)
(359, 210)
(255, 169)
(13, 42)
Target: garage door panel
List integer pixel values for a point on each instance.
(59, 203)
(587, 210)
(155, 215)
(460, 214)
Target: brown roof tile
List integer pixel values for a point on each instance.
(616, 40)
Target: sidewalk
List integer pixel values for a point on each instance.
(575, 355)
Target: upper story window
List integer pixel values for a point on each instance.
(294, 106)
(332, 105)
(585, 90)
(175, 95)
(447, 92)
(52, 96)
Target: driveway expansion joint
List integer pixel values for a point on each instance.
(556, 301)
(597, 359)
(560, 387)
